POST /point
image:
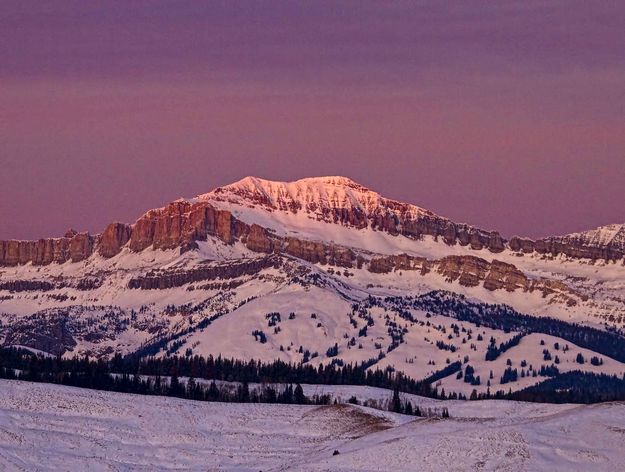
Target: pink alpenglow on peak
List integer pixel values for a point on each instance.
(314, 195)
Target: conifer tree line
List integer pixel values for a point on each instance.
(405, 407)
(21, 364)
(191, 389)
(127, 373)
(569, 387)
(575, 387)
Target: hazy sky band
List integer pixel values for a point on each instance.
(509, 116)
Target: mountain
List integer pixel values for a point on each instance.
(321, 270)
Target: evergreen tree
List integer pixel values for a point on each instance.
(213, 392)
(298, 395)
(396, 406)
(243, 393)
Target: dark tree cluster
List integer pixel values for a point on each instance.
(445, 347)
(493, 352)
(469, 376)
(273, 319)
(259, 336)
(398, 405)
(333, 351)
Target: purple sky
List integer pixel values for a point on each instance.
(509, 117)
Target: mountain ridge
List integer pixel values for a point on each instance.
(331, 199)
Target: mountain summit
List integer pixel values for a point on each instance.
(318, 197)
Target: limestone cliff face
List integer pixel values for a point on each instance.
(523, 245)
(472, 271)
(469, 271)
(177, 225)
(318, 252)
(449, 232)
(181, 223)
(258, 239)
(571, 246)
(386, 264)
(176, 278)
(80, 247)
(114, 237)
(73, 247)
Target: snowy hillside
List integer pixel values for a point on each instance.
(48, 427)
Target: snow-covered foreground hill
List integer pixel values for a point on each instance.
(49, 427)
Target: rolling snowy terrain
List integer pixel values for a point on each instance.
(49, 427)
(322, 270)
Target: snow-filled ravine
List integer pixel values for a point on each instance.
(49, 427)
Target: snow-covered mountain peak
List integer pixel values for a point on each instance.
(316, 196)
(612, 235)
(333, 191)
(325, 181)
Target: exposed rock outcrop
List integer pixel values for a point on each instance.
(181, 223)
(311, 251)
(80, 247)
(386, 264)
(469, 271)
(258, 239)
(114, 237)
(74, 246)
(26, 286)
(522, 245)
(576, 249)
(604, 243)
(451, 233)
(472, 271)
(177, 278)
